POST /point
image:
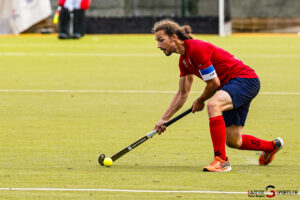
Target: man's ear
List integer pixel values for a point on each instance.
(174, 37)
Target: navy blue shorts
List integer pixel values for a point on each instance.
(242, 91)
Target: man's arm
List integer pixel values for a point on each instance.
(185, 84)
(211, 87)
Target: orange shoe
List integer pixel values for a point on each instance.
(266, 157)
(218, 165)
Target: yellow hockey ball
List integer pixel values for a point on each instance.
(108, 162)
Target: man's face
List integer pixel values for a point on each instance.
(165, 43)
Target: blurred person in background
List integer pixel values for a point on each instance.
(77, 7)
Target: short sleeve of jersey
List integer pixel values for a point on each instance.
(183, 71)
(201, 55)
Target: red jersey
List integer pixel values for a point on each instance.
(84, 4)
(202, 57)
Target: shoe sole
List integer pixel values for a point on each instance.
(227, 170)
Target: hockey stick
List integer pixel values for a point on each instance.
(142, 140)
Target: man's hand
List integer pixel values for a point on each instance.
(159, 127)
(198, 105)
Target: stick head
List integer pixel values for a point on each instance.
(101, 159)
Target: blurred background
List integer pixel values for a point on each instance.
(138, 16)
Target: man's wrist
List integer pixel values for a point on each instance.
(200, 99)
(163, 119)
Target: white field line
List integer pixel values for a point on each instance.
(54, 54)
(119, 190)
(122, 190)
(142, 46)
(280, 93)
(124, 91)
(92, 54)
(270, 55)
(115, 46)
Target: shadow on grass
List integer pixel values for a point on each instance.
(154, 168)
(243, 168)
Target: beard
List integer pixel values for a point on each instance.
(168, 53)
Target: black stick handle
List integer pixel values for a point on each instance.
(149, 135)
(178, 117)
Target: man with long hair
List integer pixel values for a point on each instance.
(230, 87)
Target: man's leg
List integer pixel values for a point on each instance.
(234, 136)
(235, 139)
(219, 102)
(64, 24)
(78, 23)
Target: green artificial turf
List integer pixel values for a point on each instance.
(63, 103)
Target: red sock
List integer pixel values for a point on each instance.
(253, 143)
(218, 134)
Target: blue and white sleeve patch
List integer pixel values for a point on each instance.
(208, 73)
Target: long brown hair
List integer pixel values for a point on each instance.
(170, 27)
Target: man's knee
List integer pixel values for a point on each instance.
(213, 107)
(233, 136)
(233, 143)
(221, 101)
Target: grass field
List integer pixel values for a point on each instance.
(63, 103)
